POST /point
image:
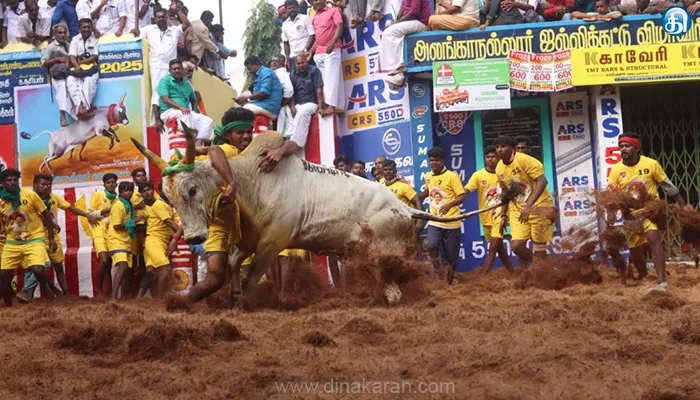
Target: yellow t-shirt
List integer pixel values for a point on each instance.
(137, 199)
(443, 189)
(485, 184)
(645, 176)
(24, 223)
(403, 192)
(229, 150)
(57, 202)
(118, 239)
(157, 214)
(524, 170)
(99, 202)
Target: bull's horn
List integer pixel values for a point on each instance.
(190, 151)
(151, 156)
(121, 101)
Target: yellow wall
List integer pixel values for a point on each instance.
(218, 96)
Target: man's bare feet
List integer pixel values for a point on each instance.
(375, 16)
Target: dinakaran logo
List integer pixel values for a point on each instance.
(676, 21)
(391, 142)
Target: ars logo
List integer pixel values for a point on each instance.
(452, 122)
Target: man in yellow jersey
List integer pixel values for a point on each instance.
(25, 216)
(485, 183)
(138, 271)
(120, 234)
(638, 173)
(43, 187)
(100, 207)
(402, 190)
(162, 232)
(230, 139)
(446, 196)
(528, 173)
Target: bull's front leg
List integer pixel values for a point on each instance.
(80, 153)
(216, 276)
(110, 135)
(236, 257)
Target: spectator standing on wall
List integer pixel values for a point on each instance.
(109, 16)
(162, 45)
(82, 80)
(66, 11)
(141, 11)
(412, 18)
(10, 24)
(33, 28)
(328, 25)
(298, 33)
(54, 58)
(47, 8)
(201, 39)
(455, 15)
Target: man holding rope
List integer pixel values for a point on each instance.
(642, 174)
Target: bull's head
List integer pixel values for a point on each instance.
(119, 112)
(192, 190)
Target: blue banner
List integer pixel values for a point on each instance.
(392, 141)
(421, 132)
(423, 49)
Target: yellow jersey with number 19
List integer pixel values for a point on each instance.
(645, 176)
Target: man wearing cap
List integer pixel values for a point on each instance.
(636, 173)
(528, 173)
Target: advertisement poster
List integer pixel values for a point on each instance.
(543, 72)
(573, 161)
(82, 152)
(373, 107)
(471, 85)
(608, 124)
(635, 64)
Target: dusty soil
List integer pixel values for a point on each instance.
(484, 334)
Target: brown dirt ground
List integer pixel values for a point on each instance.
(490, 338)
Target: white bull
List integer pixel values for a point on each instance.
(298, 205)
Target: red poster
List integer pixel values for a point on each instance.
(7, 146)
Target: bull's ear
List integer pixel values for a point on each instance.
(190, 151)
(151, 156)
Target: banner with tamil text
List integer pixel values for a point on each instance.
(471, 85)
(636, 64)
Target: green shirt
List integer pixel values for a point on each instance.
(181, 92)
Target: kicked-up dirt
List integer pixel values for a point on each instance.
(484, 337)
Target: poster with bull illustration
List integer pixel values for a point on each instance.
(82, 152)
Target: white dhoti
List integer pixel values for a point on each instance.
(299, 128)
(82, 90)
(203, 124)
(63, 98)
(157, 71)
(256, 109)
(391, 46)
(284, 121)
(331, 69)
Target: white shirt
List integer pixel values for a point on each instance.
(533, 3)
(78, 46)
(108, 21)
(162, 45)
(43, 26)
(46, 11)
(11, 22)
(297, 33)
(287, 88)
(132, 11)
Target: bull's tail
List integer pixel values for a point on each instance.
(28, 136)
(419, 214)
